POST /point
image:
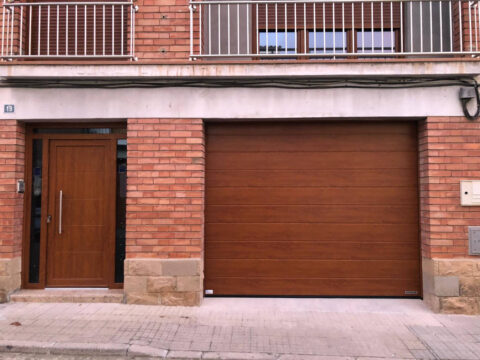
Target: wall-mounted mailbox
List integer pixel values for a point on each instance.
(470, 192)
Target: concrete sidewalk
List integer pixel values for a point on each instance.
(238, 328)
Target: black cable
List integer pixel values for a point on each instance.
(465, 101)
(286, 83)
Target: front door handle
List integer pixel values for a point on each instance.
(60, 210)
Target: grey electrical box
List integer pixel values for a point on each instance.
(474, 240)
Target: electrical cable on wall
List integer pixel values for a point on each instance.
(468, 85)
(466, 95)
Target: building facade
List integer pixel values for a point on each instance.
(179, 149)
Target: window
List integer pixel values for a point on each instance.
(324, 42)
(276, 42)
(328, 41)
(371, 41)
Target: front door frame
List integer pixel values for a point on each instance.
(46, 137)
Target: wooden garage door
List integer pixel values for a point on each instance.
(312, 209)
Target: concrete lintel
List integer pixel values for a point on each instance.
(311, 69)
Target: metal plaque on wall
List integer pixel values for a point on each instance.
(474, 240)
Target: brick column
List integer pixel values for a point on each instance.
(165, 211)
(449, 152)
(12, 155)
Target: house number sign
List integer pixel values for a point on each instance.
(8, 108)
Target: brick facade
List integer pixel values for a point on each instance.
(449, 152)
(165, 211)
(12, 157)
(162, 30)
(165, 191)
(449, 149)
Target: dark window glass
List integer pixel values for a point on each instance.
(121, 208)
(324, 42)
(79, 131)
(371, 42)
(277, 42)
(36, 212)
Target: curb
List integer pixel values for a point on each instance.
(133, 351)
(126, 351)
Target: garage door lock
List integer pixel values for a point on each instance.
(208, 292)
(411, 292)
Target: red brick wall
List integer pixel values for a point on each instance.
(165, 188)
(12, 156)
(163, 30)
(449, 149)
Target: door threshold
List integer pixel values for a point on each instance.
(69, 295)
(76, 288)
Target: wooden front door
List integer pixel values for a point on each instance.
(81, 213)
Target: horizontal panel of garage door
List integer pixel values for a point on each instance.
(312, 209)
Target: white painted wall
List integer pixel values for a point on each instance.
(228, 103)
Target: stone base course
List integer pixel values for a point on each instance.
(175, 282)
(452, 286)
(10, 277)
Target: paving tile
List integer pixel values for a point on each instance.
(277, 329)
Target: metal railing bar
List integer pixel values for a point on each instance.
(238, 28)
(257, 30)
(334, 32)
(39, 28)
(113, 30)
(451, 24)
(200, 45)
(276, 28)
(381, 26)
(76, 29)
(11, 31)
(470, 25)
(286, 31)
(305, 31)
(401, 28)
(103, 31)
(431, 28)
(371, 25)
(324, 31)
(440, 6)
(392, 45)
(48, 30)
(58, 30)
(214, 2)
(266, 29)
(85, 30)
(66, 30)
(121, 31)
(94, 30)
(80, 3)
(228, 28)
(20, 50)
(460, 24)
(247, 9)
(219, 29)
(314, 29)
(3, 29)
(329, 55)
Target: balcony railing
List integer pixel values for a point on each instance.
(68, 30)
(261, 29)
